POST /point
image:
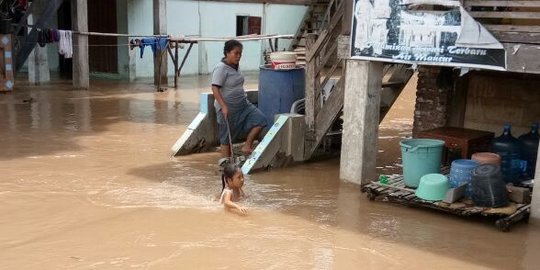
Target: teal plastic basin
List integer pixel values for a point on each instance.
(432, 187)
(420, 157)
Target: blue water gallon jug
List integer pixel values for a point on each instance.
(509, 148)
(461, 173)
(529, 142)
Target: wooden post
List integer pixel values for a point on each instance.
(458, 102)
(310, 95)
(38, 64)
(160, 28)
(81, 69)
(360, 121)
(535, 206)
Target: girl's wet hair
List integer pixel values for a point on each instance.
(229, 170)
(230, 45)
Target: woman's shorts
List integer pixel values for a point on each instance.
(241, 122)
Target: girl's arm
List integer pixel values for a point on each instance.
(230, 204)
(219, 98)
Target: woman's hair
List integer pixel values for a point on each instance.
(230, 45)
(228, 172)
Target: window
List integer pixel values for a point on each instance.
(248, 25)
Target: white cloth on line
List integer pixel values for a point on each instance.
(65, 45)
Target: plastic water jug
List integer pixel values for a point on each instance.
(509, 148)
(529, 142)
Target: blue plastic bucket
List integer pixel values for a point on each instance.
(420, 157)
(461, 173)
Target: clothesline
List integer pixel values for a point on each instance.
(186, 39)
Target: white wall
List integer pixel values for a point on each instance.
(211, 19)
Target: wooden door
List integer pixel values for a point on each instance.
(103, 51)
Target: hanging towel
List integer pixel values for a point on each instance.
(156, 44)
(42, 39)
(65, 45)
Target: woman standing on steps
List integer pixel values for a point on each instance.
(232, 105)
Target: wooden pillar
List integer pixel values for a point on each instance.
(310, 95)
(363, 82)
(81, 69)
(38, 64)
(160, 28)
(458, 102)
(535, 206)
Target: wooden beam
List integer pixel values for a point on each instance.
(483, 3)
(505, 14)
(535, 204)
(325, 33)
(160, 28)
(282, 2)
(513, 28)
(522, 58)
(311, 87)
(81, 68)
(360, 121)
(518, 37)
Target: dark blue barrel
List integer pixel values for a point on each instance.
(509, 148)
(279, 89)
(489, 189)
(529, 143)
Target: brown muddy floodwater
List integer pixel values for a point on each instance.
(87, 183)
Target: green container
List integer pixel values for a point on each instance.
(420, 157)
(433, 187)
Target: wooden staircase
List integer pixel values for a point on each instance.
(323, 107)
(26, 42)
(312, 23)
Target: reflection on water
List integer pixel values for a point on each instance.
(87, 184)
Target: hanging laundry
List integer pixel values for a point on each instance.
(65, 44)
(42, 38)
(156, 44)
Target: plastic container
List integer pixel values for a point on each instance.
(461, 173)
(529, 142)
(279, 89)
(509, 148)
(420, 157)
(487, 158)
(489, 189)
(432, 187)
(283, 60)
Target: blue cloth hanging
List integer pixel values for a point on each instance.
(156, 44)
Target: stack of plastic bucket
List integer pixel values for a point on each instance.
(420, 157)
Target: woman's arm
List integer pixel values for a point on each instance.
(228, 203)
(219, 98)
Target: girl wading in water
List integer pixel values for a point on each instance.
(232, 181)
(232, 105)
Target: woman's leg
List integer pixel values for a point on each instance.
(252, 135)
(225, 150)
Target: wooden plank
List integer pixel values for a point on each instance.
(311, 87)
(517, 37)
(505, 14)
(522, 58)
(483, 3)
(513, 28)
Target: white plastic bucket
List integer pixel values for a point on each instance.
(283, 60)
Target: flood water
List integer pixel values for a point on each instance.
(87, 183)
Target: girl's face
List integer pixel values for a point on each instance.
(237, 181)
(233, 57)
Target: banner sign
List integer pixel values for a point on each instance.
(427, 32)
